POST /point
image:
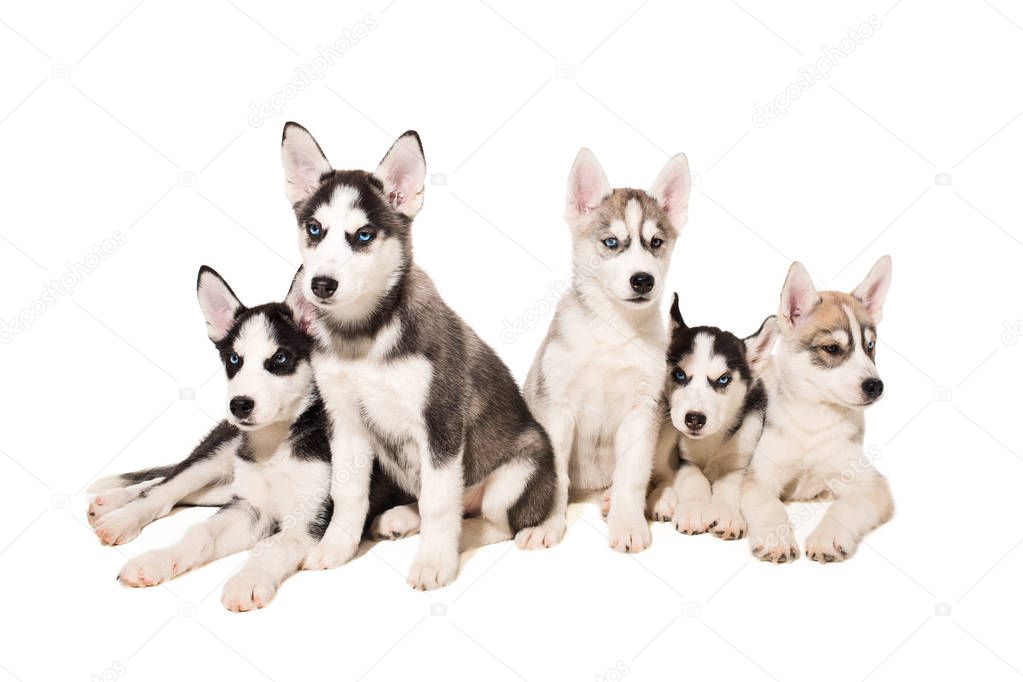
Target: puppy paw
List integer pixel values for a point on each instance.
(247, 591)
(774, 548)
(830, 542)
(630, 534)
(108, 501)
(149, 569)
(661, 503)
(395, 523)
(726, 523)
(547, 534)
(692, 518)
(329, 555)
(118, 526)
(429, 574)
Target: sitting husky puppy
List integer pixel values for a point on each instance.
(818, 384)
(716, 404)
(596, 380)
(401, 374)
(268, 464)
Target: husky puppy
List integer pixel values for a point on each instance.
(715, 405)
(268, 464)
(818, 384)
(595, 383)
(401, 374)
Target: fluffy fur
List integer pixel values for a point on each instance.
(715, 406)
(404, 379)
(818, 384)
(595, 383)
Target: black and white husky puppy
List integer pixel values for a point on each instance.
(267, 465)
(596, 380)
(715, 404)
(401, 374)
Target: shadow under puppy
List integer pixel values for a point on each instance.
(267, 465)
(715, 405)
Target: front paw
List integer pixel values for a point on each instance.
(778, 548)
(830, 542)
(149, 569)
(108, 501)
(329, 555)
(726, 523)
(429, 574)
(395, 523)
(547, 534)
(661, 503)
(248, 590)
(629, 534)
(692, 518)
(118, 526)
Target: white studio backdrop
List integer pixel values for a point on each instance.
(141, 139)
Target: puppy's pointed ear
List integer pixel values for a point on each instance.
(587, 187)
(676, 315)
(303, 161)
(798, 297)
(759, 345)
(671, 189)
(403, 172)
(219, 305)
(872, 291)
(303, 312)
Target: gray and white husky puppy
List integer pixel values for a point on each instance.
(819, 382)
(595, 383)
(401, 374)
(715, 405)
(267, 465)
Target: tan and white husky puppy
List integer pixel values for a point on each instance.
(818, 383)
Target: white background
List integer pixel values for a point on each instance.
(136, 120)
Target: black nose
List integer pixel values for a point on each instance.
(324, 287)
(642, 282)
(872, 389)
(241, 406)
(695, 420)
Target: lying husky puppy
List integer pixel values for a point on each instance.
(818, 384)
(401, 374)
(268, 464)
(715, 404)
(596, 381)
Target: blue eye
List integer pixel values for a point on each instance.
(233, 358)
(281, 358)
(365, 236)
(656, 242)
(678, 375)
(313, 228)
(724, 379)
(611, 242)
(870, 345)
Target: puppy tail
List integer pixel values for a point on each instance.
(130, 478)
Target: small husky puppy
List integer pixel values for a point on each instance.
(818, 384)
(267, 465)
(595, 383)
(401, 374)
(715, 404)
